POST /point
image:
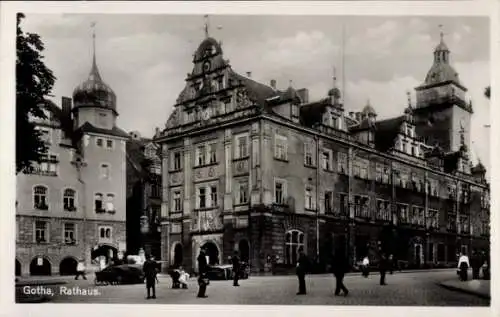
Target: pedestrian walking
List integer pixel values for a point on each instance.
(301, 270)
(476, 264)
(150, 272)
(202, 278)
(365, 266)
(340, 266)
(391, 264)
(80, 269)
(383, 268)
(463, 266)
(235, 260)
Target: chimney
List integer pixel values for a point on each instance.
(66, 115)
(304, 95)
(249, 74)
(273, 84)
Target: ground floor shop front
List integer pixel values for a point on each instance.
(272, 240)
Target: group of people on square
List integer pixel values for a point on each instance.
(477, 262)
(339, 267)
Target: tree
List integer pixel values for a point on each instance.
(487, 92)
(34, 82)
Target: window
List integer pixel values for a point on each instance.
(155, 190)
(451, 222)
(109, 144)
(99, 142)
(212, 153)
(213, 196)
(105, 172)
(342, 162)
(433, 218)
(294, 240)
(279, 191)
(98, 203)
(403, 213)
(202, 197)
(110, 203)
(386, 177)
(177, 201)
(105, 233)
(280, 147)
(200, 155)
(242, 194)
(383, 210)
(403, 147)
(309, 198)
(241, 146)
(47, 165)
(40, 198)
(328, 202)
(69, 233)
(177, 161)
(41, 232)
(69, 199)
(464, 224)
(378, 173)
(344, 204)
(326, 160)
(102, 118)
(308, 156)
(361, 205)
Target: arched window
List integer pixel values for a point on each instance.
(40, 197)
(69, 199)
(294, 240)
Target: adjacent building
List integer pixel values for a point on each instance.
(71, 206)
(249, 167)
(143, 196)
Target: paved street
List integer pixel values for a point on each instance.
(403, 289)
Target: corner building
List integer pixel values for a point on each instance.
(72, 205)
(264, 171)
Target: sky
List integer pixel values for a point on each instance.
(145, 58)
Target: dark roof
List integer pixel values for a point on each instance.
(87, 127)
(312, 113)
(479, 168)
(364, 125)
(257, 92)
(386, 131)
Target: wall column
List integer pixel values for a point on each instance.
(228, 179)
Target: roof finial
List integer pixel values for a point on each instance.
(290, 82)
(408, 94)
(334, 77)
(92, 25)
(206, 25)
(441, 33)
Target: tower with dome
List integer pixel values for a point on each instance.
(72, 206)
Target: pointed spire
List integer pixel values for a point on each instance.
(441, 33)
(94, 72)
(206, 26)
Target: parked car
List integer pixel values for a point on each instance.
(225, 271)
(120, 274)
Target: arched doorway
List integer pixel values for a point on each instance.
(212, 252)
(244, 248)
(40, 266)
(178, 255)
(103, 255)
(68, 266)
(18, 268)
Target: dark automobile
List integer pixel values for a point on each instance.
(120, 274)
(225, 272)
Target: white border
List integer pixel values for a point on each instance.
(389, 8)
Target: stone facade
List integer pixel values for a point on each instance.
(251, 168)
(71, 206)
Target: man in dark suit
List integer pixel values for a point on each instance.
(150, 271)
(383, 265)
(235, 260)
(302, 268)
(340, 266)
(202, 270)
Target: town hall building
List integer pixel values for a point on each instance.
(249, 167)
